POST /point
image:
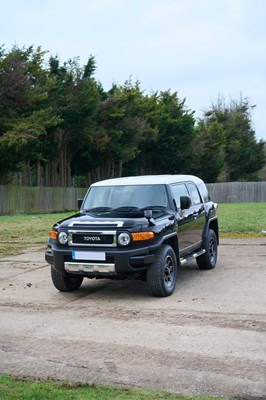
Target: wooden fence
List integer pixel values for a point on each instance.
(238, 192)
(34, 199)
(24, 199)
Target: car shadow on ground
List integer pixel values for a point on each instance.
(127, 289)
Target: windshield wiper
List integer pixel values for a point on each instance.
(98, 209)
(154, 208)
(125, 209)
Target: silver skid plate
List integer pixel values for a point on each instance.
(88, 267)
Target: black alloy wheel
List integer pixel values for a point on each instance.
(161, 275)
(67, 282)
(209, 258)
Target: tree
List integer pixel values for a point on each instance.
(208, 149)
(58, 125)
(44, 115)
(244, 155)
(172, 151)
(262, 172)
(118, 130)
(24, 113)
(74, 95)
(138, 134)
(142, 163)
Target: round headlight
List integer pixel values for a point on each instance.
(62, 237)
(124, 239)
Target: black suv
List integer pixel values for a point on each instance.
(140, 227)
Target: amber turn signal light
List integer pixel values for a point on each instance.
(53, 235)
(142, 235)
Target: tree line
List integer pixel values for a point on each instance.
(59, 127)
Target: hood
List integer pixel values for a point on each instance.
(89, 221)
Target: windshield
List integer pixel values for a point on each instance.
(139, 196)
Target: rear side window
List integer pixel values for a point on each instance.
(194, 194)
(179, 190)
(204, 192)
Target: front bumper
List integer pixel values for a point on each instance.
(117, 261)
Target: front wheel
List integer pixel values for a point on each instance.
(209, 258)
(161, 275)
(65, 283)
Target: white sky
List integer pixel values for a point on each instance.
(199, 48)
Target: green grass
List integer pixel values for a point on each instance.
(21, 231)
(18, 232)
(14, 389)
(242, 219)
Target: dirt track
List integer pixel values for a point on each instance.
(208, 338)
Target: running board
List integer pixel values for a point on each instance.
(191, 257)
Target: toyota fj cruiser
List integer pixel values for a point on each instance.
(140, 227)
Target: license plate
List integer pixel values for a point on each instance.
(88, 255)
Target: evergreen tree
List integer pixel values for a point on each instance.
(115, 135)
(208, 149)
(25, 115)
(243, 154)
(172, 152)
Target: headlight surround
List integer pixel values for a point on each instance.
(124, 238)
(62, 237)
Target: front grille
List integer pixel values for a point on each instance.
(91, 238)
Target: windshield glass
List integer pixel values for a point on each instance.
(139, 196)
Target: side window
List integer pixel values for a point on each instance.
(194, 194)
(204, 192)
(179, 190)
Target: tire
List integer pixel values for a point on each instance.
(161, 275)
(65, 283)
(209, 258)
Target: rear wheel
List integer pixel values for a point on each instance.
(65, 283)
(161, 275)
(209, 258)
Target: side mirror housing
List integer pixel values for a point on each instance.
(185, 202)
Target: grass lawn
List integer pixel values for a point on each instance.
(26, 230)
(242, 219)
(11, 389)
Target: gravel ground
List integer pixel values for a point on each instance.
(209, 337)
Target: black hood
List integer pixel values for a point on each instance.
(99, 221)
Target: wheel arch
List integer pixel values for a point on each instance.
(173, 242)
(213, 224)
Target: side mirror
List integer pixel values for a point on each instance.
(80, 201)
(185, 202)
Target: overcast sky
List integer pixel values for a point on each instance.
(199, 48)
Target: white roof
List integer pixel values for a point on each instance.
(148, 180)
